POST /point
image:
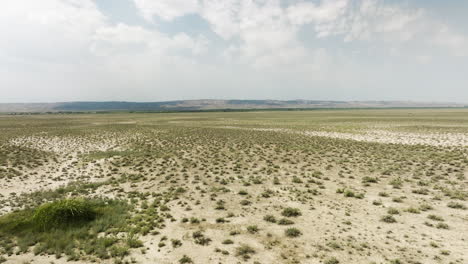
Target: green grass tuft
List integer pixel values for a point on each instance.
(69, 226)
(64, 213)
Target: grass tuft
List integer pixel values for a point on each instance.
(69, 226)
(64, 213)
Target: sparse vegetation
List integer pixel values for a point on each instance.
(291, 212)
(245, 251)
(388, 219)
(185, 259)
(68, 226)
(128, 187)
(292, 232)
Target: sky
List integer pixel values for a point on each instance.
(159, 50)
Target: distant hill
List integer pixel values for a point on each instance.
(200, 105)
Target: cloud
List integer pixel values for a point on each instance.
(48, 30)
(60, 29)
(69, 48)
(223, 16)
(359, 20)
(125, 39)
(73, 48)
(265, 33)
(166, 9)
(456, 43)
(267, 38)
(260, 32)
(307, 12)
(378, 21)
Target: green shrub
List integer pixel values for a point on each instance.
(194, 220)
(383, 194)
(368, 179)
(435, 218)
(388, 219)
(244, 251)
(291, 212)
(185, 259)
(243, 192)
(413, 210)
(73, 224)
(133, 242)
(285, 221)
(296, 180)
(200, 238)
(442, 226)
(228, 242)
(176, 243)
(269, 218)
(292, 232)
(119, 251)
(253, 229)
(64, 213)
(332, 260)
(421, 191)
(456, 205)
(348, 193)
(425, 207)
(245, 202)
(396, 183)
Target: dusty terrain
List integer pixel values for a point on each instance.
(342, 186)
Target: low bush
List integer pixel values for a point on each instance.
(285, 221)
(456, 205)
(332, 260)
(185, 259)
(200, 238)
(244, 251)
(435, 218)
(270, 218)
(253, 229)
(69, 226)
(291, 212)
(388, 219)
(292, 232)
(64, 213)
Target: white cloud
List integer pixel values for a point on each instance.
(59, 29)
(166, 9)
(47, 30)
(264, 33)
(124, 39)
(456, 43)
(369, 20)
(306, 12)
(71, 45)
(223, 16)
(377, 20)
(267, 37)
(70, 49)
(268, 31)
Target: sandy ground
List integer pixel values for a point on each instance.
(382, 136)
(332, 225)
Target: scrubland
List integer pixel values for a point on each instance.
(336, 186)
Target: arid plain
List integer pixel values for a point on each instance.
(323, 186)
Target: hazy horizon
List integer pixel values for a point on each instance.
(165, 50)
(236, 99)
